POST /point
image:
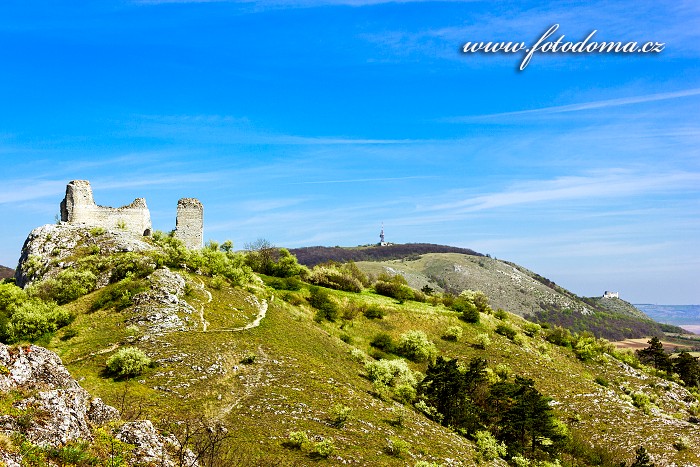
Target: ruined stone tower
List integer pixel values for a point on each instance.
(78, 207)
(189, 224)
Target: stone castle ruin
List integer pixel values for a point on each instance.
(78, 207)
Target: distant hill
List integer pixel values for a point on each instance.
(311, 256)
(6, 272)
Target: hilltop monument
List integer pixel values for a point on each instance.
(79, 208)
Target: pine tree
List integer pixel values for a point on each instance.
(655, 355)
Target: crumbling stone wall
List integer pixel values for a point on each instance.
(189, 224)
(78, 207)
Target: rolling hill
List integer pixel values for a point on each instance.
(243, 364)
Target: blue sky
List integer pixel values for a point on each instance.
(312, 122)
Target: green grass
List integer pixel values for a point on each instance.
(302, 369)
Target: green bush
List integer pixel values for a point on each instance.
(501, 314)
(339, 415)
(482, 341)
(324, 448)
(130, 264)
(391, 373)
(320, 299)
(506, 330)
(128, 361)
(33, 319)
(335, 276)
(416, 346)
(396, 447)
(487, 447)
(68, 285)
(383, 341)
(297, 439)
(97, 231)
(374, 312)
(119, 295)
(560, 336)
(531, 329)
(395, 289)
(11, 297)
(453, 333)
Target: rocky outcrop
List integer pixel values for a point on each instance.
(52, 409)
(48, 249)
(159, 309)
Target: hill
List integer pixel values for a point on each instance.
(311, 256)
(6, 272)
(250, 369)
(513, 288)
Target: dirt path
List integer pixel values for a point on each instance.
(204, 322)
(253, 381)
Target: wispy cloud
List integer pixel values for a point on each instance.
(599, 185)
(602, 104)
(363, 180)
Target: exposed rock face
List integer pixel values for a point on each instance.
(47, 246)
(189, 225)
(67, 410)
(64, 411)
(159, 309)
(78, 207)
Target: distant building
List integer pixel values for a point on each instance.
(609, 294)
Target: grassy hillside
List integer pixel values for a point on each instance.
(241, 369)
(299, 369)
(520, 291)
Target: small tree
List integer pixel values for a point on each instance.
(655, 355)
(128, 361)
(416, 346)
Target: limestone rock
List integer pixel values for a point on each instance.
(62, 411)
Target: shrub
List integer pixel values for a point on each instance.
(453, 333)
(249, 358)
(97, 231)
(681, 444)
(68, 285)
(218, 282)
(416, 346)
(487, 447)
(482, 341)
(297, 439)
(358, 356)
(394, 287)
(119, 295)
(339, 415)
(560, 336)
(531, 329)
(501, 314)
(396, 447)
(320, 299)
(133, 265)
(334, 276)
(35, 318)
(11, 297)
(383, 341)
(506, 330)
(641, 401)
(602, 380)
(391, 373)
(324, 448)
(128, 361)
(374, 312)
